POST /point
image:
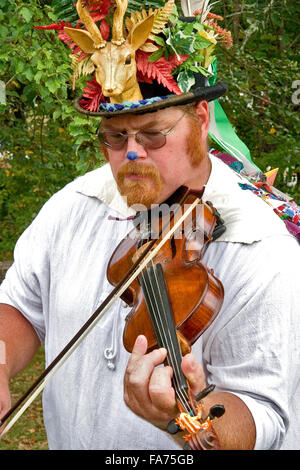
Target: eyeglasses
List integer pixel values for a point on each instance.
(149, 139)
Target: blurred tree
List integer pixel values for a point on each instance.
(261, 70)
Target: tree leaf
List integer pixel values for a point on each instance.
(26, 14)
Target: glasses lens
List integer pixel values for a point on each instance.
(115, 140)
(151, 139)
(148, 139)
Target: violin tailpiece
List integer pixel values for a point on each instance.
(201, 435)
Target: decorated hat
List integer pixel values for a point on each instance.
(143, 55)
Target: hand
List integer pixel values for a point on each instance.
(148, 390)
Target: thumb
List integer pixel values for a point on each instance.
(194, 373)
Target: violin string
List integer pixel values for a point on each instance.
(176, 366)
(159, 329)
(164, 333)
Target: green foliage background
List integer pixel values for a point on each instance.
(44, 144)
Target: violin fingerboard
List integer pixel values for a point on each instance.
(158, 304)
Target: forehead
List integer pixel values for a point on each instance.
(158, 119)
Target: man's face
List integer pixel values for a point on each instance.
(156, 173)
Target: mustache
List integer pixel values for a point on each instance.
(140, 169)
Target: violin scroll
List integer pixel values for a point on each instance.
(201, 435)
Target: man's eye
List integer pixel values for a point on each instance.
(118, 135)
(152, 133)
(128, 60)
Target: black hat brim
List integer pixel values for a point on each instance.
(202, 93)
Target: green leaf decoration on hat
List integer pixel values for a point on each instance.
(134, 5)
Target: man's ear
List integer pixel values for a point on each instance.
(202, 111)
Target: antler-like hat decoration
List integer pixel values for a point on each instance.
(114, 62)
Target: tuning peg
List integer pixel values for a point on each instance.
(172, 427)
(216, 411)
(204, 392)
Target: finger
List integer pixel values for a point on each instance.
(161, 392)
(140, 368)
(142, 364)
(137, 375)
(194, 373)
(140, 346)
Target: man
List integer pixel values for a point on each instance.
(250, 344)
(59, 278)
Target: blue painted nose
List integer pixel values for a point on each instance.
(132, 155)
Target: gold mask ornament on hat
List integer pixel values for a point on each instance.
(114, 61)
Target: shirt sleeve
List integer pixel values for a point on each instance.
(251, 348)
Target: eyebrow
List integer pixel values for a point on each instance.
(153, 123)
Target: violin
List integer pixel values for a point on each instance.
(174, 299)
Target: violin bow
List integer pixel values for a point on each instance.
(37, 387)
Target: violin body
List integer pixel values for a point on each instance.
(195, 294)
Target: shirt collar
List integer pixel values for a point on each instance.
(247, 218)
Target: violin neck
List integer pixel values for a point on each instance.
(160, 311)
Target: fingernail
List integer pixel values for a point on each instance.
(139, 339)
(193, 363)
(163, 351)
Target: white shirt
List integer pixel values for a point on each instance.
(59, 278)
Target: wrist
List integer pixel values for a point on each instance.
(4, 373)
(4, 369)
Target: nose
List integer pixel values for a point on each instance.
(109, 90)
(134, 149)
(132, 155)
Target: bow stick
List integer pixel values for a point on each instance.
(56, 364)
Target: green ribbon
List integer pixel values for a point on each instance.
(222, 132)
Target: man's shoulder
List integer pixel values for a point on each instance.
(88, 184)
(248, 218)
(71, 202)
(92, 183)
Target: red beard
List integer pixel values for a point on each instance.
(140, 191)
(195, 149)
